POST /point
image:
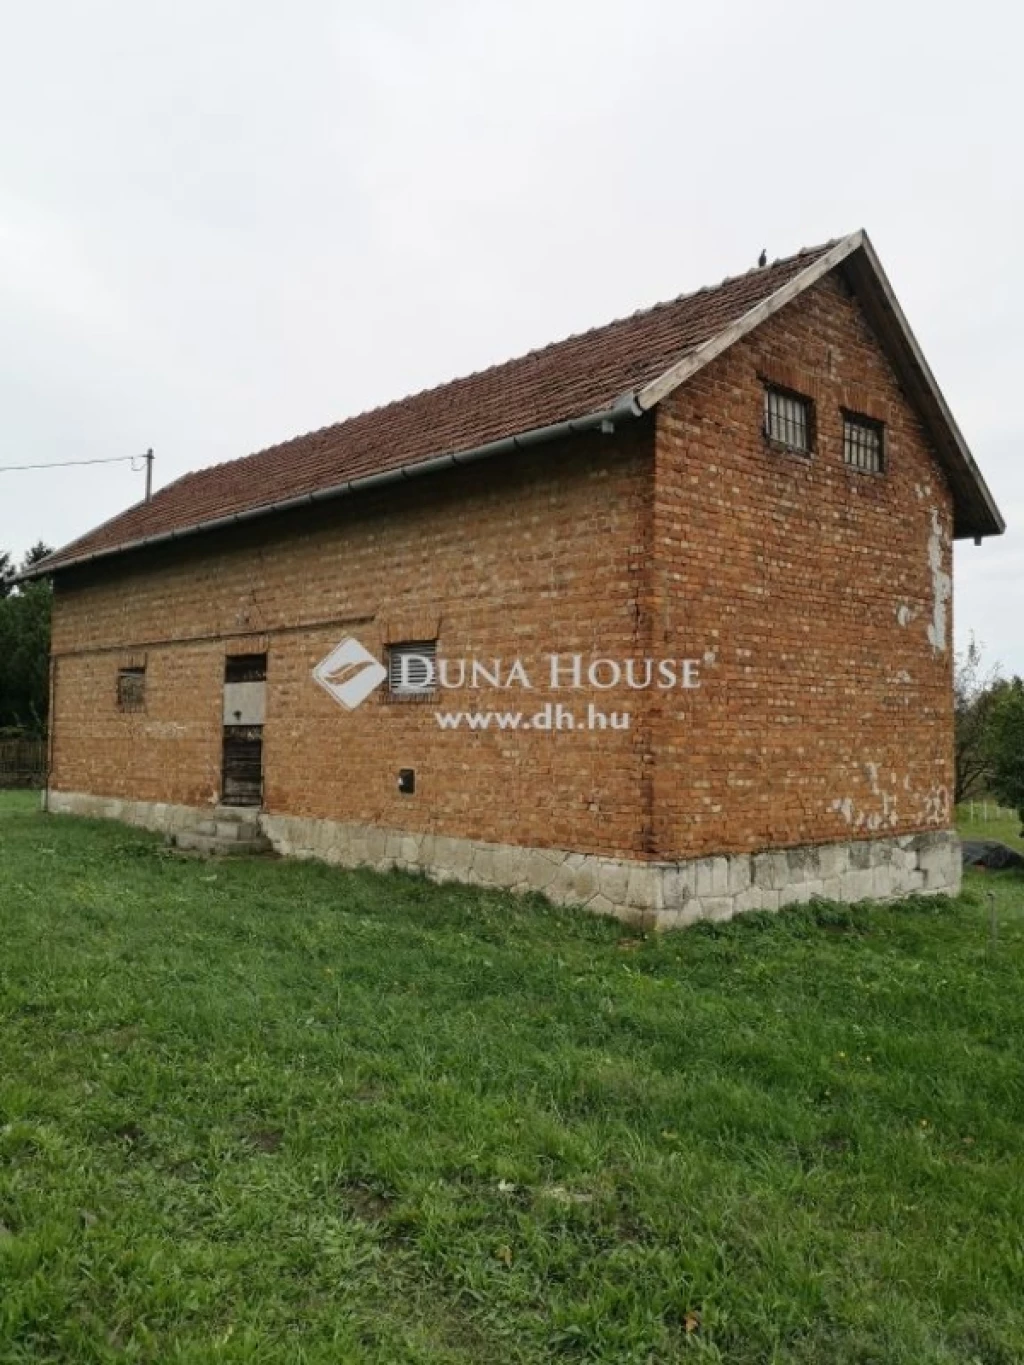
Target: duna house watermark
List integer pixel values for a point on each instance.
(350, 673)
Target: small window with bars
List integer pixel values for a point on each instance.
(131, 688)
(241, 668)
(863, 443)
(789, 420)
(412, 669)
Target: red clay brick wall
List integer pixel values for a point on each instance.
(167, 753)
(820, 715)
(544, 553)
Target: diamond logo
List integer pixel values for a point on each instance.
(349, 673)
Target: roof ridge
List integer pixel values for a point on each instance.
(531, 354)
(561, 387)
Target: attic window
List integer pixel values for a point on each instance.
(411, 669)
(131, 688)
(788, 420)
(863, 443)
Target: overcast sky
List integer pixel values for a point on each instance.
(222, 224)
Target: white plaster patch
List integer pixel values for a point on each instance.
(930, 807)
(942, 587)
(165, 729)
(905, 614)
(934, 807)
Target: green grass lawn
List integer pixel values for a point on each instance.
(268, 1111)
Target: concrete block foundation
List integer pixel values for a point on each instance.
(656, 895)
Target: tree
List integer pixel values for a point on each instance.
(975, 691)
(7, 572)
(25, 651)
(1006, 746)
(38, 552)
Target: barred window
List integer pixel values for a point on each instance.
(131, 689)
(863, 443)
(788, 420)
(242, 668)
(411, 668)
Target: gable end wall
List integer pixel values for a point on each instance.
(817, 595)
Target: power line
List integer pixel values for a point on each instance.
(65, 464)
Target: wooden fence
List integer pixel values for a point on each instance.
(22, 762)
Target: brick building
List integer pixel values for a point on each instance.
(703, 554)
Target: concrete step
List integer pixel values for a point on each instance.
(193, 841)
(229, 829)
(238, 814)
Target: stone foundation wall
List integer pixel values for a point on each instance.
(658, 895)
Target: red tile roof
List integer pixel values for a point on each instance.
(569, 379)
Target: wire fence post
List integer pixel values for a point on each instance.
(993, 920)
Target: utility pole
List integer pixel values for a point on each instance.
(149, 473)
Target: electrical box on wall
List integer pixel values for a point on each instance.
(407, 781)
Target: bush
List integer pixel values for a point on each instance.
(1006, 747)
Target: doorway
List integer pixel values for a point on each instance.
(245, 705)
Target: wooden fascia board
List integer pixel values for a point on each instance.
(976, 513)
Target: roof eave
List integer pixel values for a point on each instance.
(623, 409)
